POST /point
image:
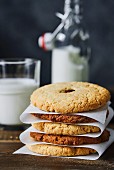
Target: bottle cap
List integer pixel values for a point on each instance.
(45, 41)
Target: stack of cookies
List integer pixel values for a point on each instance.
(62, 132)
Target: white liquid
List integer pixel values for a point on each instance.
(67, 65)
(14, 98)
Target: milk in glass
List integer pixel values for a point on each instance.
(14, 98)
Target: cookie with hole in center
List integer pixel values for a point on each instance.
(70, 97)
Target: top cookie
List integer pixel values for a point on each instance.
(70, 97)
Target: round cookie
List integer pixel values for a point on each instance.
(52, 150)
(64, 129)
(69, 140)
(70, 97)
(64, 118)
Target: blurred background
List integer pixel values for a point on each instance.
(22, 22)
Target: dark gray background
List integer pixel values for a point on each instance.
(23, 21)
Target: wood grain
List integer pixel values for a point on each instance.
(27, 162)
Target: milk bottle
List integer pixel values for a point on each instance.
(69, 45)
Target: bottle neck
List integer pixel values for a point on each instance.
(74, 8)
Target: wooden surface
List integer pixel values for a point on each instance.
(9, 142)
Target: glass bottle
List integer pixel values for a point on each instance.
(69, 45)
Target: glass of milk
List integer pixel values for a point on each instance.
(18, 79)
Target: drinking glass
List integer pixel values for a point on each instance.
(18, 79)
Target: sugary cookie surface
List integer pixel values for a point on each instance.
(52, 150)
(70, 97)
(65, 129)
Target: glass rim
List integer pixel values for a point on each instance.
(16, 61)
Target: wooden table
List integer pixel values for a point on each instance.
(9, 143)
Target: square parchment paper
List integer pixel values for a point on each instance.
(98, 114)
(100, 125)
(100, 148)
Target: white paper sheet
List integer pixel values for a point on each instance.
(100, 148)
(100, 125)
(98, 114)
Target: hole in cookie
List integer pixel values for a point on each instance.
(67, 91)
